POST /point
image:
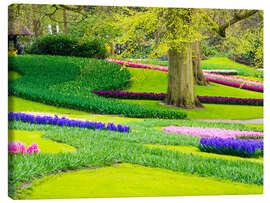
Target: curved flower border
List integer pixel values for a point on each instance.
(48, 120)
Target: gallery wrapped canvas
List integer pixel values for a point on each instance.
(119, 101)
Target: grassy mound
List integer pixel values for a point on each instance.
(69, 82)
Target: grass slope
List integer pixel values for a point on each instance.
(69, 82)
(144, 80)
(128, 180)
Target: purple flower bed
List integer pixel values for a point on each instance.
(48, 120)
(231, 146)
(161, 96)
(233, 84)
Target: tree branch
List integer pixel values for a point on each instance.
(237, 17)
(221, 29)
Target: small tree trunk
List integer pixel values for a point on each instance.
(111, 49)
(65, 21)
(196, 64)
(180, 78)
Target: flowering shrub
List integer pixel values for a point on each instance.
(231, 146)
(19, 147)
(236, 79)
(233, 84)
(212, 132)
(161, 96)
(48, 120)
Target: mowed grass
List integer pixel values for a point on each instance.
(16, 104)
(210, 111)
(45, 145)
(190, 150)
(129, 180)
(144, 80)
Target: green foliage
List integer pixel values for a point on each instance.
(213, 51)
(91, 49)
(69, 82)
(249, 44)
(64, 45)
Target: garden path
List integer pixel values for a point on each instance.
(251, 121)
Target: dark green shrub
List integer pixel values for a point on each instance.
(94, 48)
(64, 45)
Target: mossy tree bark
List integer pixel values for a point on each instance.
(181, 79)
(196, 64)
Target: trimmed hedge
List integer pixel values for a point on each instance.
(56, 80)
(63, 45)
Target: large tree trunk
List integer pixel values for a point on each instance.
(196, 64)
(180, 78)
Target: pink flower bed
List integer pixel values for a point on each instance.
(161, 67)
(19, 147)
(212, 132)
(140, 65)
(236, 79)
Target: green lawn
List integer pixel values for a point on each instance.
(127, 180)
(45, 145)
(17, 104)
(144, 80)
(211, 111)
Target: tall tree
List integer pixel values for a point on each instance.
(177, 33)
